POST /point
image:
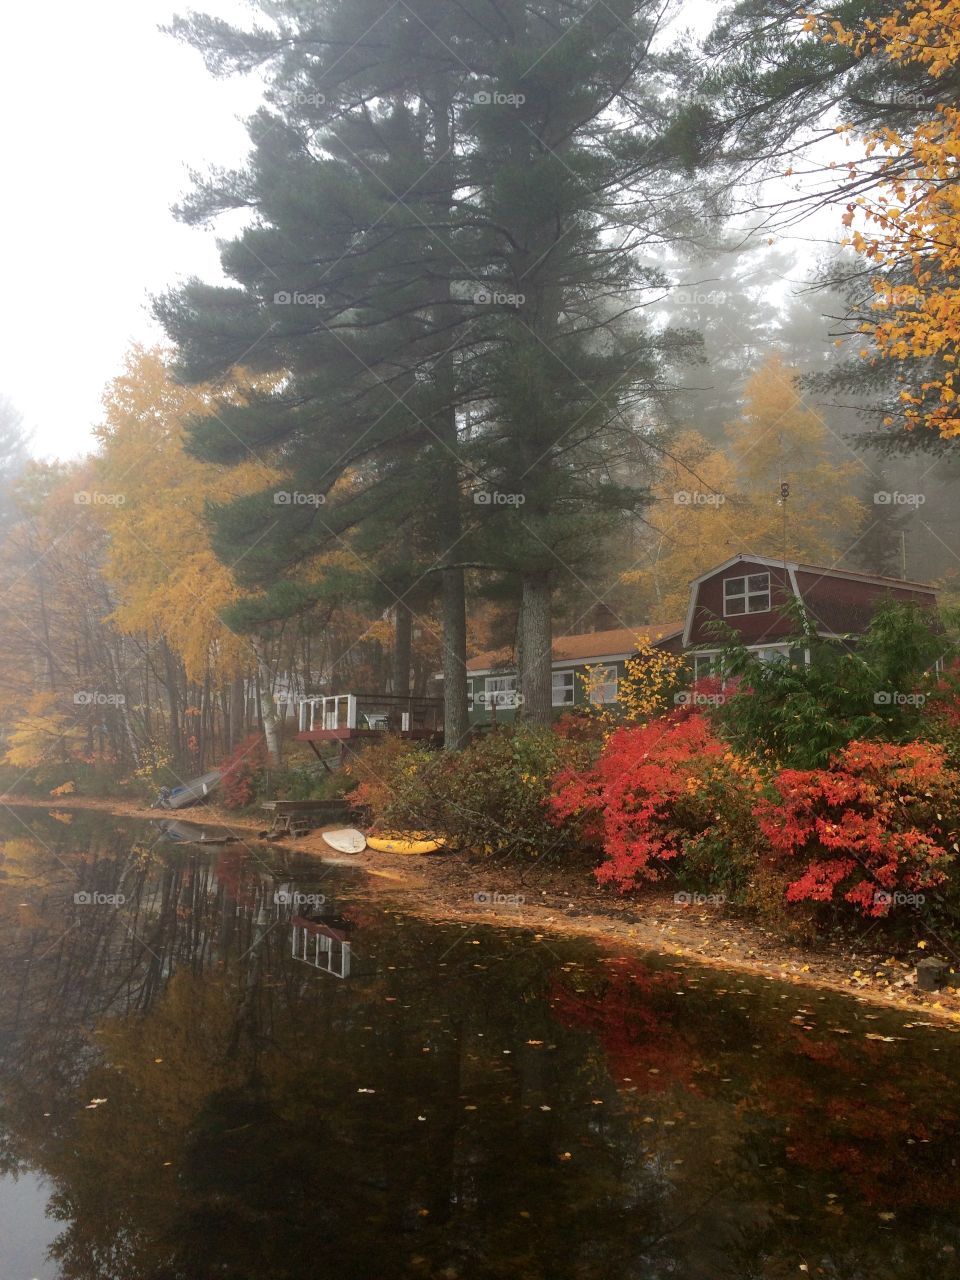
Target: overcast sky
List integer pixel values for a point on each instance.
(104, 117)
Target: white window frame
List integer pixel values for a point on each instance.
(746, 594)
(711, 661)
(781, 652)
(504, 691)
(600, 687)
(567, 687)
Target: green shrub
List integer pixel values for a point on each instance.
(872, 688)
(490, 800)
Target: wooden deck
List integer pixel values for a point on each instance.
(348, 717)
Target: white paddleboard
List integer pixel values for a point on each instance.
(348, 840)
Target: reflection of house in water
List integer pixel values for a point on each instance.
(325, 946)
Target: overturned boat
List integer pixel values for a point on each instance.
(189, 793)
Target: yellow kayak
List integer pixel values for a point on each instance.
(404, 842)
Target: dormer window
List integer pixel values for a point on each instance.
(746, 595)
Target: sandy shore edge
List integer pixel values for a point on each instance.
(445, 888)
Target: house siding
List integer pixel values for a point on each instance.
(476, 684)
(842, 605)
(753, 628)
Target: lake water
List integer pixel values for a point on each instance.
(232, 1062)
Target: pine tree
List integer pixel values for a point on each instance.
(418, 169)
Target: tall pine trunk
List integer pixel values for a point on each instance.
(456, 721)
(534, 650)
(402, 646)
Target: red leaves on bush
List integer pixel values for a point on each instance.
(874, 824)
(240, 770)
(651, 791)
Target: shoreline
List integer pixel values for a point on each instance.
(566, 902)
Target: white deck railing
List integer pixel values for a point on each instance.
(336, 712)
(329, 952)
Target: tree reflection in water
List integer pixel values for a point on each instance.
(465, 1104)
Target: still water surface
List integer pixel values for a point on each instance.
(232, 1062)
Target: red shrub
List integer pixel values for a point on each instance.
(665, 789)
(878, 822)
(241, 769)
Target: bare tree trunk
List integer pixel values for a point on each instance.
(170, 670)
(238, 718)
(268, 715)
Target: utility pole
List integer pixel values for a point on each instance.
(784, 495)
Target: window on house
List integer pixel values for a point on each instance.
(500, 691)
(603, 685)
(703, 664)
(772, 655)
(746, 595)
(563, 688)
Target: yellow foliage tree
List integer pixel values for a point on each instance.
(43, 735)
(153, 497)
(778, 441)
(710, 504)
(912, 218)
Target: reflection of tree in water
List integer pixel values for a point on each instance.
(816, 1124)
(263, 1120)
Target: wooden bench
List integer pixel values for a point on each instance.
(295, 818)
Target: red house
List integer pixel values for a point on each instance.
(748, 593)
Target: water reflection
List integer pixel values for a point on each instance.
(204, 1101)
